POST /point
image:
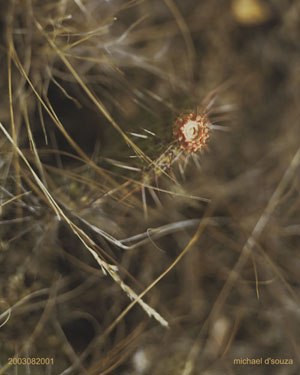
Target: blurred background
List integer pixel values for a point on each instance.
(97, 203)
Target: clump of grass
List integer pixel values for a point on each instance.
(63, 50)
(103, 199)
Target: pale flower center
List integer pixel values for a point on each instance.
(190, 130)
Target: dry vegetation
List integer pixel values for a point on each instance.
(119, 253)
